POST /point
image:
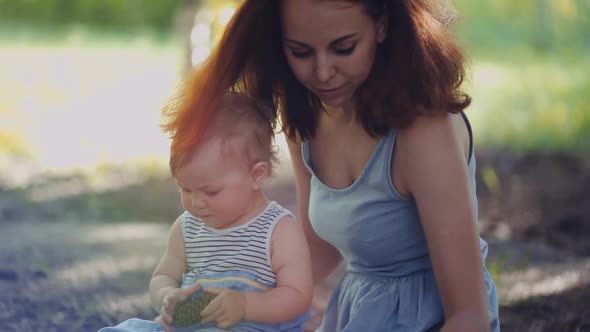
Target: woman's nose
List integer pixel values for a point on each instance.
(324, 68)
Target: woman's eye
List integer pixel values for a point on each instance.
(301, 54)
(344, 51)
(183, 190)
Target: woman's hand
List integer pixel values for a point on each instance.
(172, 297)
(228, 308)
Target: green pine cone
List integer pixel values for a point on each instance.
(188, 312)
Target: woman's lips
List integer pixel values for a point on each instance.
(330, 93)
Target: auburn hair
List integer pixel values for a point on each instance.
(418, 70)
(238, 116)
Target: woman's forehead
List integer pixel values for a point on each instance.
(307, 18)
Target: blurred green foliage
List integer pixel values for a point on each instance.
(529, 79)
(140, 192)
(530, 73)
(533, 102)
(530, 58)
(497, 28)
(491, 25)
(105, 13)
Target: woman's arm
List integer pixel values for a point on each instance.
(433, 158)
(324, 257)
(291, 263)
(168, 273)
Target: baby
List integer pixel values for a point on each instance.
(231, 241)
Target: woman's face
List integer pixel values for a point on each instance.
(330, 46)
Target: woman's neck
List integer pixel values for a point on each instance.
(342, 116)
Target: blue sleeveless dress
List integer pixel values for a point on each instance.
(236, 258)
(389, 283)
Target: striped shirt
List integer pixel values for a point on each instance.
(242, 248)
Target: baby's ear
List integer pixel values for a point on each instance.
(259, 173)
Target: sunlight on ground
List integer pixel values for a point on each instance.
(543, 280)
(91, 272)
(123, 304)
(126, 232)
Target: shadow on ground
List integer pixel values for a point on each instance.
(63, 270)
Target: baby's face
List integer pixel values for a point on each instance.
(216, 185)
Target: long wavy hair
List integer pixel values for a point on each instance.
(418, 70)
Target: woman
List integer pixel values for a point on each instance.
(368, 93)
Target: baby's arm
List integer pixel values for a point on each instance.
(168, 272)
(292, 264)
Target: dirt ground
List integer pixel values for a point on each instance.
(534, 211)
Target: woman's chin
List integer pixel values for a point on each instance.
(336, 102)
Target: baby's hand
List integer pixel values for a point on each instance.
(170, 299)
(228, 308)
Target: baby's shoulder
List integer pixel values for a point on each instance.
(286, 226)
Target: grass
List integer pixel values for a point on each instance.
(530, 72)
(532, 103)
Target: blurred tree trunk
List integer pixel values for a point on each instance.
(184, 22)
(542, 33)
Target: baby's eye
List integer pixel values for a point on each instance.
(212, 192)
(183, 190)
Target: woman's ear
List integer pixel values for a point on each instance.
(259, 173)
(381, 28)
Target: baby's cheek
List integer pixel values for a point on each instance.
(231, 204)
(184, 201)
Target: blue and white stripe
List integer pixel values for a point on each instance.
(242, 248)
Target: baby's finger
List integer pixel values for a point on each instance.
(212, 306)
(212, 315)
(225, 324)
(192, 289)
(166, 317)
(215, 290)
(168, 302)
(167, 327)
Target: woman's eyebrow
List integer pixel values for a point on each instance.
(341, 39)
(332, 43)
(297, 42)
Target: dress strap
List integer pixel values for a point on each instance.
(470, 130)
